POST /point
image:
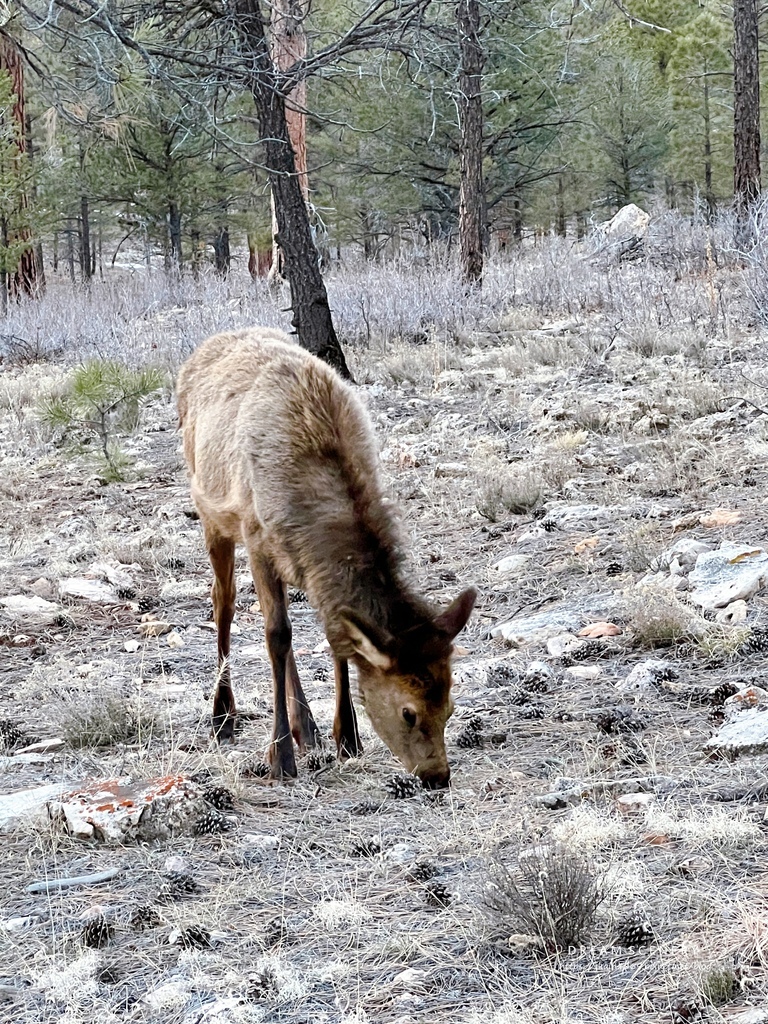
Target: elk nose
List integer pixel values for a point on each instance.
(437, 780)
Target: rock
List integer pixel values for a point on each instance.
(644, 676)
(180, 590)
(538, 672)
(411, 979)
(511, 564)
(747, 697)
(115, 811)
(112, 574)
(34, 609)
(735, 572)
(632, 803)
(451, 469)
(79, 588)
(48, 746)
(558, 645)
(745, 734)
(172, 993)
(28, 804)
(584, 672)
(401, 853)
(155, 628)
(562, 617)
(600, 629)
(682, 556)
(732, 614)
(174, 639)
(131, 646)
(629, 221)
(42, 588)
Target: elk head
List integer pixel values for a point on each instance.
(405, 685)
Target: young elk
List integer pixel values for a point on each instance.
(282, 459)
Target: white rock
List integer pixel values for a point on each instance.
(115, 575)
(682, 556)
(411, 978)
(629, 222)
(745, 734)
(642, 677)
(155, 627)
(733, 614)
(178, 590)
(172, 993)
(174, 639)
(401, 853)
(43, 588)
(262, 840)
(131, 646)
(511, 564)
(17, 606)
(175, 863)
(535, 533)
(79, 588)
(735, 572)
(745, 698)
(584, 672)
(28, 804)
(560, 618)
(558, 645)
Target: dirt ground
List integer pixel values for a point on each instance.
(587, 448)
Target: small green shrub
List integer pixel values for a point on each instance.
(104, 398)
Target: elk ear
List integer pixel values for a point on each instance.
(456, 615)
(370, 642)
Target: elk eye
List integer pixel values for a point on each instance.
(409, 717)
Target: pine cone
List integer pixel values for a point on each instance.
(11, 736)
(721, 693)
(255, 770)
(319, 759)
(126, 593)
(548, 524)
(536, 683)
(588, 650)
(276, 932)
(401, 787)
(423, 870)
(618, 720)
(178, 884)
(634, 930)
(195, 938)
(614, 569)
(297, 597)
(469, 738)
(364, 807)
(532, 712)
(366, 848)
(97, 932)
(219, 797)
(756, 642)
(436, 894)
(147, 603)
(211, 823)
(260, 986)
(320, 675)
(174, 563)
(500, 675)
(145, 916)
(685, 1010)
(519, 696)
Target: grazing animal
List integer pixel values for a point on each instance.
(282, 459)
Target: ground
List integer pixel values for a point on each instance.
(546, 425)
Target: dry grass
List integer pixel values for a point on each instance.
(533, 396)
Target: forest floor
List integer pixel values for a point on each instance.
(588, 450)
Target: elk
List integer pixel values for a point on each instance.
(282, 459)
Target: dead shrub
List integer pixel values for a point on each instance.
(516, 492)
(551, 893)
(104, 720)
(661, 619)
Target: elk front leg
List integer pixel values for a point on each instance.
(303, 726)
(277, 628)
(222, 555)
(345, 721)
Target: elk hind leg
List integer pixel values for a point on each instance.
(303, 726)
(345, 730)
(221, 552)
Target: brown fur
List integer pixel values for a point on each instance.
(282, 458)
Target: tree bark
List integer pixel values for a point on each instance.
(288, 44)
(472, 191)
(174, 235)
(309, 299)
(85, 239)
(221, 252)
(24, 280)
(746, 117)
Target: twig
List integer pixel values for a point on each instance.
(741, 398)
(67, 883)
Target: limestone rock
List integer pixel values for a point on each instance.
(117, 810)
(80, 588)
(735, 572)
(28, 804)
(34, 609)
(747, 733)
(562, 617)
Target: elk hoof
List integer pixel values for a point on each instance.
(224, 728)
(281, 759)
(349, 746)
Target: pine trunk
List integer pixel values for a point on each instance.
(472, 191)
(309, 299)
(25, 279)
(746, 117)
